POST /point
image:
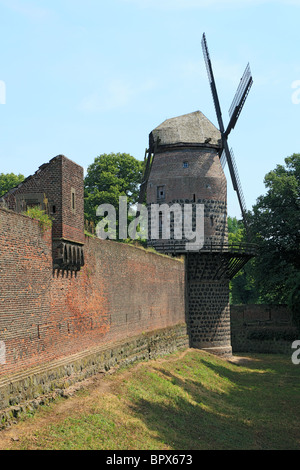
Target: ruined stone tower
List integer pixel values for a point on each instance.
(57, 188)
(186, 170)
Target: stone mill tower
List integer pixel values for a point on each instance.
(186, 171)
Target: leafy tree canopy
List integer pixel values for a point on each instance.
(108, 177)
(243, 289)
(273, 276)
(9, 181)
(275, 216)
(275, 220)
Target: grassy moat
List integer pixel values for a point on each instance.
(190, 400)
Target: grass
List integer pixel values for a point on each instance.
(186, 401)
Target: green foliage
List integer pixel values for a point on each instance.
(36, 213)
(273, 275)
(234, 225)
(108, 178)
(185, 401)
(275, 220)
(243, 288)
(9, 181)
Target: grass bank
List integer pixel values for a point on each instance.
(186, 401)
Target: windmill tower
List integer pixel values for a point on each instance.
(184, 171)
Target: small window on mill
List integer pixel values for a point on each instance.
(185, 164)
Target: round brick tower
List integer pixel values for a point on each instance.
(186, 173)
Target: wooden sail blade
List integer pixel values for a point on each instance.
(223, 159)
(239, 99)
(212, 82)
(236, 183)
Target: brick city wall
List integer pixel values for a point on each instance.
(262, 329)
(46, 315)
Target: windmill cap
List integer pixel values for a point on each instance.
(192, 129)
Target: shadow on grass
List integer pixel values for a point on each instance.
(226, 407)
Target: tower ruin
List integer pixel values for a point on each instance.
(56, 188)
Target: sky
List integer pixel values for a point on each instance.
(87, 78)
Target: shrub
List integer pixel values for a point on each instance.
(37, 213)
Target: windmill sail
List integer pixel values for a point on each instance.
(223, 159)
(212, 83)
(238, 185)
(239, 98)
(242, 92)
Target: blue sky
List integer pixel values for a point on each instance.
(86, 78)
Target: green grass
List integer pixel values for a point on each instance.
(193, 402)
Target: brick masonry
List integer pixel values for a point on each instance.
(56, 187)
(27, 389)
(46, 315)
(202, 182)
(52, 308)
(193, 175)
(262, 329)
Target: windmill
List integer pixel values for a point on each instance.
(238, 102)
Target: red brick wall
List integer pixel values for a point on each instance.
(120, 292)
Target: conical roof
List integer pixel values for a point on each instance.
(193, 128)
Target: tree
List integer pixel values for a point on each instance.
(273, 276)
(9, 181)
(235, 229)
(275, 220)
(108, 178)
(243, 289)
